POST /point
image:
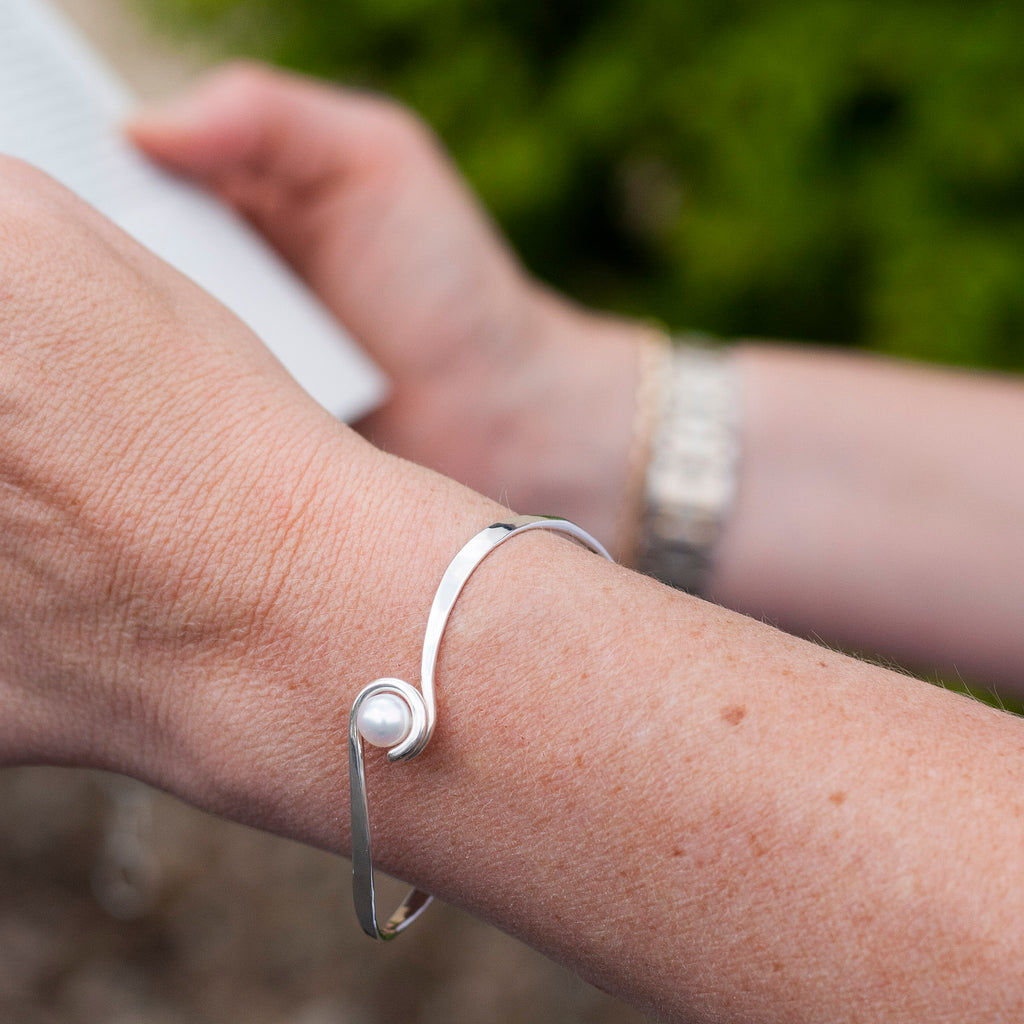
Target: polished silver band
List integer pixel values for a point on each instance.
(691, 475)
(421, 712)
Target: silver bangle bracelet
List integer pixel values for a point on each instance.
(691, 476)
(391, 713)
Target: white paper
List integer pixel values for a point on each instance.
(61, 108)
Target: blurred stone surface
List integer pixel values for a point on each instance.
(243, 927)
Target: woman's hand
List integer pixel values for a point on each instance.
(496, 382)
(158, 470)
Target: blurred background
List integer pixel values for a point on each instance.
(847, 171)
(841, 171)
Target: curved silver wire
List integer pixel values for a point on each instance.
(422, 705)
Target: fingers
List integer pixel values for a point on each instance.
(291, 155)
(355, 193)
(247, 120)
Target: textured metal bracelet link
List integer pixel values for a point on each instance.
(390, 713)
(691, 476)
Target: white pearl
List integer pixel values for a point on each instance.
(384, 719)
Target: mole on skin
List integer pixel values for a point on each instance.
(733, 714)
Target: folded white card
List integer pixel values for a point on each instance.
(61, 109)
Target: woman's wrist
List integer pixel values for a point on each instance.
(569, 418)
(268, 722)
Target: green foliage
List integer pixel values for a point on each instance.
(842, 170)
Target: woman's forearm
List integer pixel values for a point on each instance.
(880, 507)
(705, 816)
